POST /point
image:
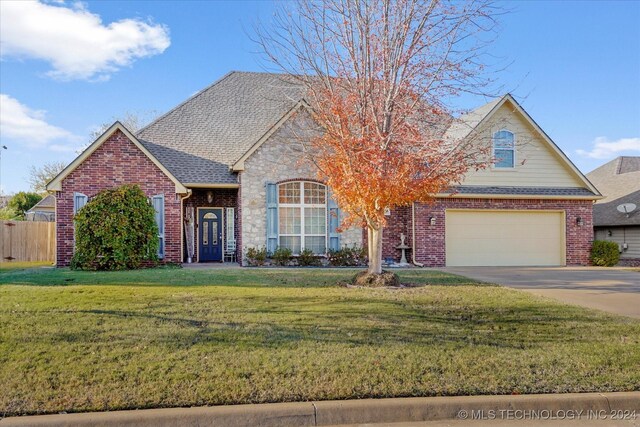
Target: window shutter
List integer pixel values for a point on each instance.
(231, 230)
(334, 222)
(158, 206)
(79, 200)
(272, 217)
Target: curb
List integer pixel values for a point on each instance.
(326, 413)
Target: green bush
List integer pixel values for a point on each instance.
(281, 256)
(256, 256)
(604, 253)
(115, 230)
(353, 256)
(308, 258)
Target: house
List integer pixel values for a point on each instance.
(44, 210)
(619, 183)
(225, 172)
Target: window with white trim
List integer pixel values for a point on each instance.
(302, 216)
(504, 149)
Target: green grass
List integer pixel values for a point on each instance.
(84, 341)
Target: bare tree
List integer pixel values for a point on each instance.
(380, 77)
(39, 177)
(133, 121)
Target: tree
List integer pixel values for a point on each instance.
(39, 177)
(379, 76)
(22, 202)
(134, 121)
(115, 230)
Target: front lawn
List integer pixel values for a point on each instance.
(83, 341)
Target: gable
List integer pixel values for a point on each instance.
(56, 183)
(539, 162)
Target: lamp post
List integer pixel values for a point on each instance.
(4, 147)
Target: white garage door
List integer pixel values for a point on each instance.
(503, 238)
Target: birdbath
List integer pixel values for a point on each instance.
(403, 247)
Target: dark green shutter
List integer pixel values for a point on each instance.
(272, 217)
(334, 223)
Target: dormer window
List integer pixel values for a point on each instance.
(504, 149)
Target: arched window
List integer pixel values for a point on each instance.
(302, 216)
(504, 149)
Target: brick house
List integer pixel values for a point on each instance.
(225, 172)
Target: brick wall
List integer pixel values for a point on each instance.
(222, 198)
(117, 161)
(430, 239)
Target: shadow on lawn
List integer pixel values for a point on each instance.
(392, 323)
(250, 278)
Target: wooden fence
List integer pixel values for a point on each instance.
(27, 241)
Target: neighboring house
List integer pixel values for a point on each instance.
(44, 210)
(619, 183)
(227, 164)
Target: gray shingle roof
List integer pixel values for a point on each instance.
(523, 191)
(617, 178)
(606, 214)
(201, 138)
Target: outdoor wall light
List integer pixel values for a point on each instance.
(432, 220)
(579, 221)
(209, 196)
(609, 233)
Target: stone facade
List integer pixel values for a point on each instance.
(430, 239)
(116, 162)
(278, 159)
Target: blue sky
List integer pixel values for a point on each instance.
(575, 67)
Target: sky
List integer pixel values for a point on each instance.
(67, 67)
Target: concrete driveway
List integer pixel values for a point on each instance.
(616, 290)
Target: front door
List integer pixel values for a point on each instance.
(210, 234)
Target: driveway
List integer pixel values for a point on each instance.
(616, 290)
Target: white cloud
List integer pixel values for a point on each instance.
(75, 41)
(27, 126)
(605, 149)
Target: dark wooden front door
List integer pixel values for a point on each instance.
(210, 234)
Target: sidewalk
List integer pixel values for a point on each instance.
(603, 409)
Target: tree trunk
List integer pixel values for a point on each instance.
(375, 250)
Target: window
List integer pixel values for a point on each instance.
(504, 149)
(302, 216)
(158, 205)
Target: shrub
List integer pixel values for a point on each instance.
(308, 258)
(256, 256)
(353, 256)
(281, 256)
(604, 253)
(115, 230)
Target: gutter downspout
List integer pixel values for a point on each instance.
(182, 199)
(413, 236)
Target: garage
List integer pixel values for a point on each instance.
(504, 238)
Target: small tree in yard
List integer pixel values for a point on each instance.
(22, 202)
(115, 230)
(378, 76)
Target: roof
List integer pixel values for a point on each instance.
(56, 183)
(48, 202)
(524, 191)
(617, 178)
(607, 214)
(200, 139)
